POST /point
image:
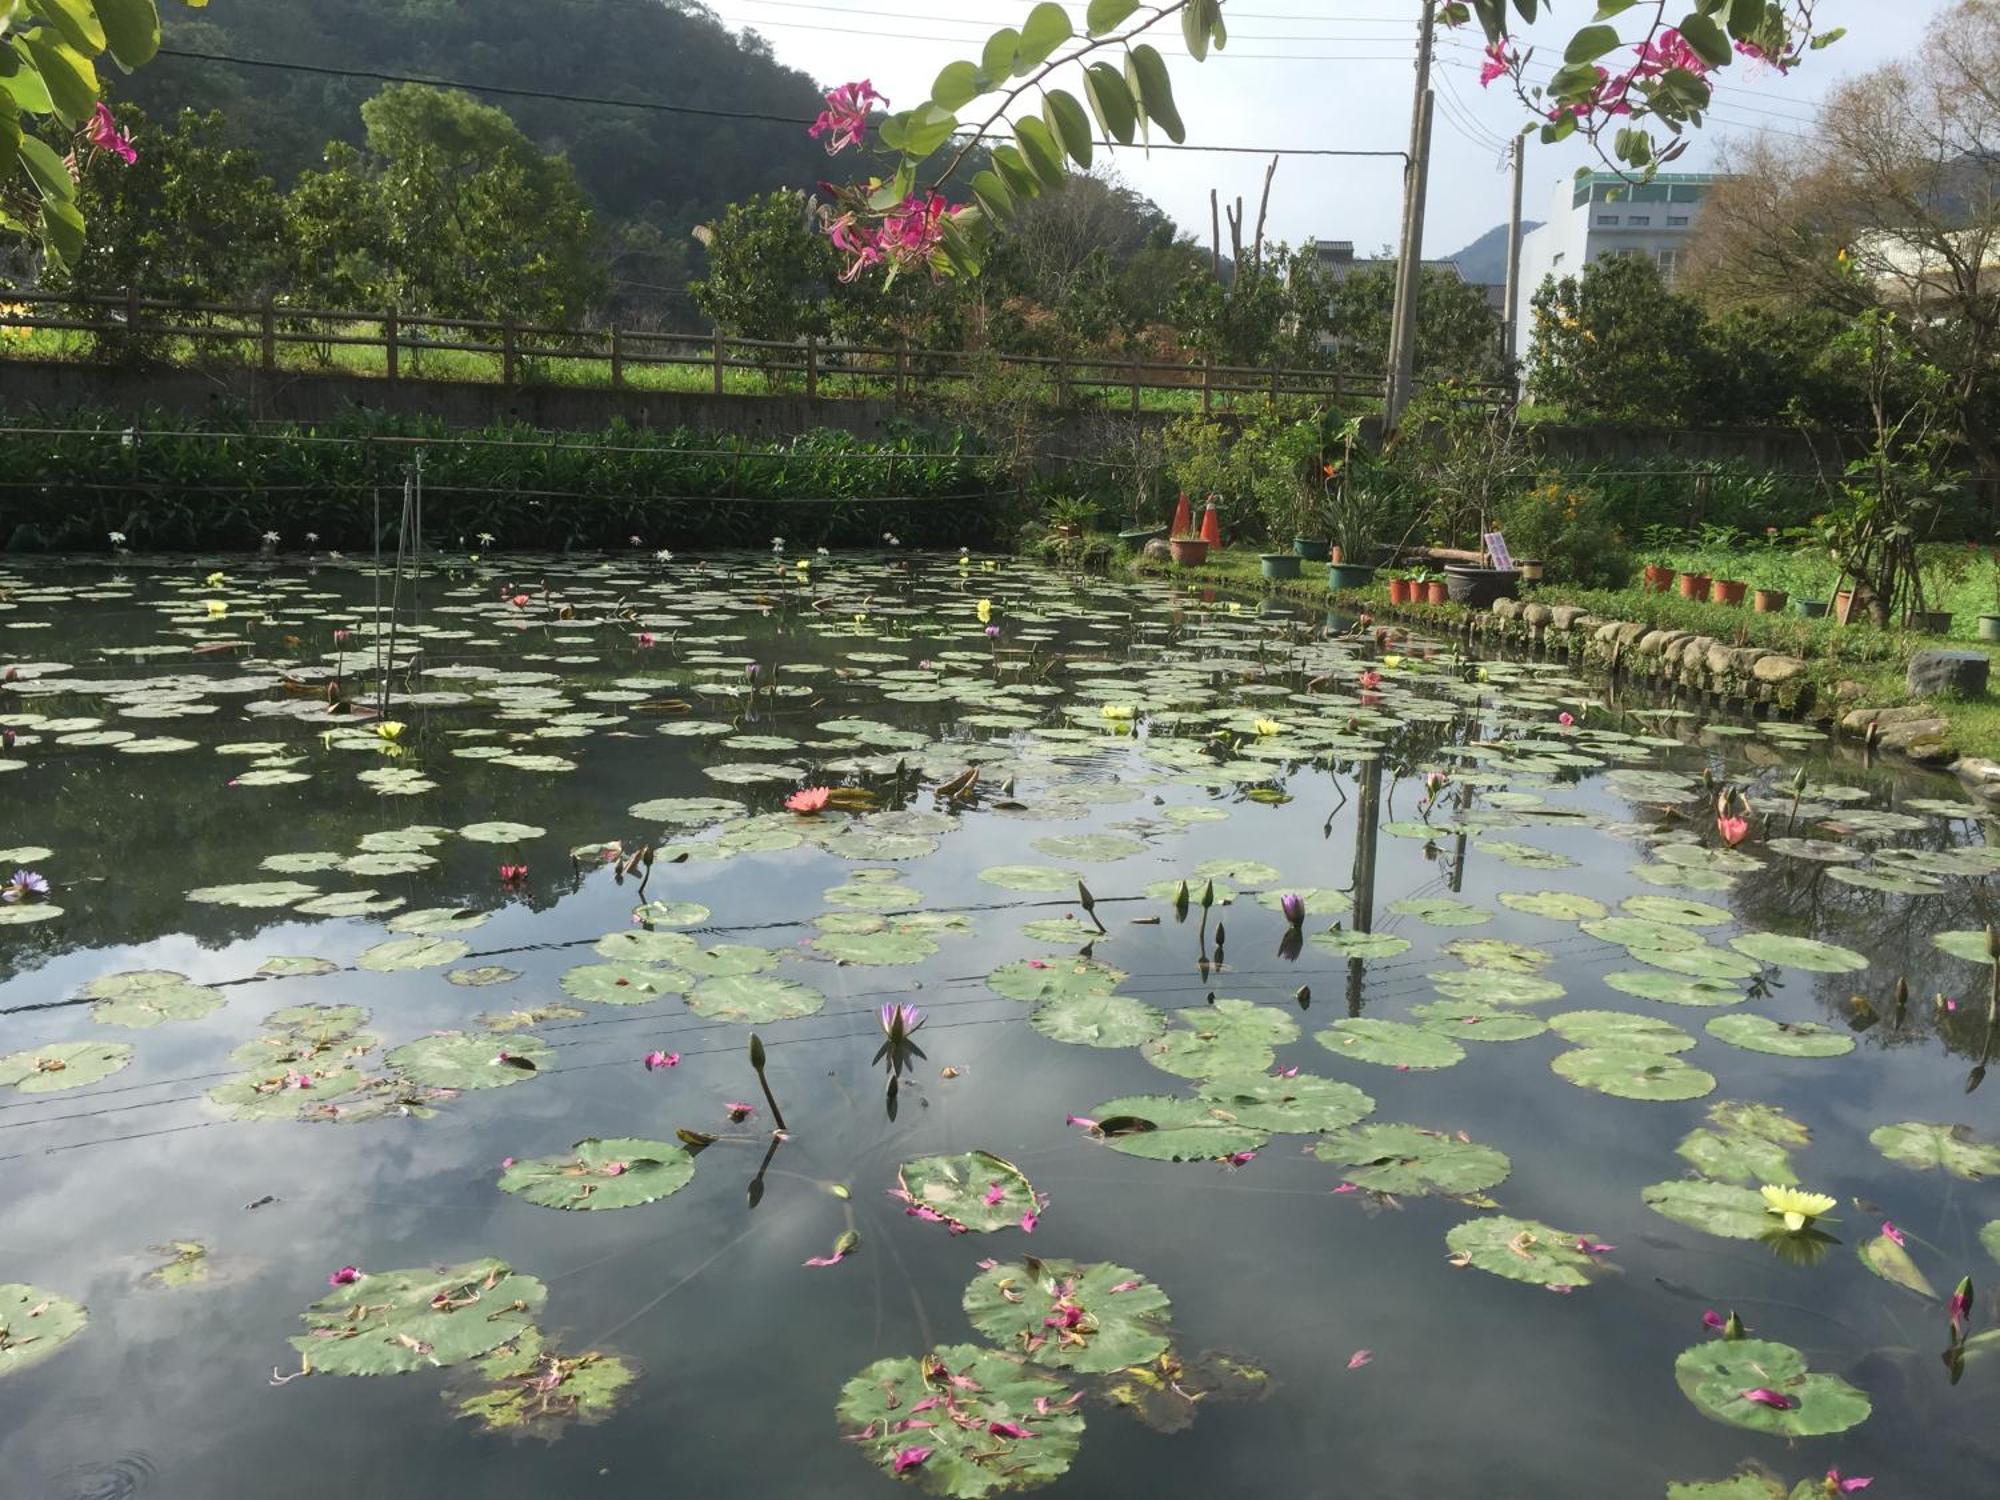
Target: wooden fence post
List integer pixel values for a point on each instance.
(719, 348)
(392, 347)
(510, 354)
(1274, 383)
(267, 328)
(132, 314)
(1207, 383)
(1062, 380)
(617, 359)
(1135, 385)
(812, 367)
(902, 368)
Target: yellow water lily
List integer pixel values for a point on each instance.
(390, 729)
(217, 608)
(990, 565)
(1797, 1207)
(216, 580)
(1392, 661)
(985, 611)
(1119, 711)
(1235, 608)
(1268, 726)
(805, 565)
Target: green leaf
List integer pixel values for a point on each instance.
(1194, 28)
(1111, 102)
(1625, 1073)
(1617, 1028)
(455, 1060)
(147, 997)
(62, 1065)
(975, 1191)
(1071, 126)
(34, 1324)
(534, 1390)
(1391, 1044)
(601, 1174)
(1023, 183)
(1230, 1037)
(1097, 1020)
(991, 192)
(1522, 1250)
(1103, 15)
(756, 998)
(1303, 1104)
(1707, 38)
(623, 982)
(1715, 1375)
(996, 58)
(1560, 905)
(1171, 1127)
(398, 955)
(1591, 43)
(1119, 1317)
(1746, 17)
(393, 1322)
(1040, 878)
(1925, 1147)
(928, 128)
(132, 29)
(76, 20)
(1892, 1263)
(1718, 1208)
(1409, 1161)
(1799, 953)
(1037, 979)
(1146, 75)
(1047, 28)
(957, 85)
(1041, 150)
(1780, 1038)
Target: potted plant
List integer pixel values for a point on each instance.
(1531, 569)
(1435, 591)
(1399, 589)
(1811, 609)
(1189, 551)
(1659, 578)
(1769, 601)
(1727, 590)
(1693, 586)
(1930, 621)
(1989, 625)
(1280, 565)
(1071, 516)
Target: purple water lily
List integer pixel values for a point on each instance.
(24, 885)
(1294, 908)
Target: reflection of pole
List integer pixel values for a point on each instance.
(1457, 881)
(1369, 817)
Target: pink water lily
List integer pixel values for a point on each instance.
(738, 1111)
(808, 801)
(1712, 1321)
(1593, 1247)
(1294, 908)
(658, 1060)
(646, 640)
(1239, 1159)
(106, 136)
(1836, 1485)
(1359, 1358)
(1763, 1395)
(1081, 1122)
(1959, 1309)
(1733, 830)
(908, 1458)
(1371, 679)
(345, 1276)
(1893, 1235)
(1566, 719)
(844, 121)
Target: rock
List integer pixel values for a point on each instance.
(1857, 720)
(1608, 632)
(1628, 635)
(1910, 734)
(1846, 690)
(1653, 642)
(1976, 770)
(1720, 660)
(1962, 673)
(1695, 652)
(1568, 616)
(1538, 616)
(1507, 609)
(1773, 668)
(1157, 551)
(1589, 624)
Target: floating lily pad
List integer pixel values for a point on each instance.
(1799, 953)
(1640, 932)
(399, 955)
(1090, 848)
(1498, 954)
(1230, 1037)
(1699, 961)
(1491, 987)
(148, 997)
(1822, 851)
(873, 895)
(458, 1060)
(483, 974)
(1301, 1104)
(1781, 1038)
(1410, 1161)
(1716, 1376)
(1563, 906)
(1970, 946)
(1090, 1317)
(187, 1264)
(1243, 872)
(1522, 1250)
(627, 982)
(1617, 1028)
(1392, 1044)
(1097, 1020)
(756, 998)
(1035, 979)
(963, 1458)
(500, 832)
(1950, 1148)
(1893, 1264)
(34, 1324)
(598, 1174)
(686, 811)
(393, 1322)
(1441, 911)
(1063, 931)
(536, 1390)
(429, 921)
(975, 1191)
(253, 893)
(1718, 1208)
(1349, 944)
(1745, 1143)
(1676, 989)
(1170, 1127)
(63, 1065)
(876, 947)
(1989, 1236)
(290, 966)
(1626, 1073)
(1472, 1021)
(637, 945)
(1166, 1393)
(1044, 878)
(1319, 900)
(283, 1091)
(1675, 910)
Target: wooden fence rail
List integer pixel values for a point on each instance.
(520, 353)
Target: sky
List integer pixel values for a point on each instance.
(1323, 73)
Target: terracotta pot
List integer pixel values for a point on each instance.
(1437, 591)
(1769, 601)
(1841, 601)
(1659, 578)
(1727, 590)
(1694, 586)
(1189, 551)
(1531, 569)
(1399, 591)
(1333, 554)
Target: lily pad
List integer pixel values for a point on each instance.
(1718, 1208)
(1718, 1375)
(1522, 1250)
(1950, 1148)
(1092, 1317)
(1617, 1028)
(975, 1191)
(533, 1389)
(429, 921)
(1410, 1161)
(598, 1174)
(63, 1065)
(283, 1091)
(458, 1060)
(1675, 910)
(1442, 911)
(1893, 1264)
(1563, 906)
(1097, 1020)
(1970, 946)
(149, 997)
(482, 975)
(1301, 1104)
(1699, 961)
(1171, 1127)
(393, 1322)
(1090, 848)
(1320, 901)
(501, 832)
(876, 947)
(1799, 953)
(187, 1264)
(1054, 977)
(1392, 1044)
(1230, 1037)
(1472, 1021)
(756, 998)
(627, 982)
(1676, 989)
(1756, 1033)
(1350, 944)
(1498, 954)
(1044, 878)
(1625, 1073)
(963, 1457)
(291, 966)
(34, 1324)
(1243, 872)
(399, 955)
(253, 893)
(1640, 932)
(1491, 987)
(1745, 1143)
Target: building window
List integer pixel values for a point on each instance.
(1669, 259)
(1677, 221)
(1639, 221)
(1556, 259)
(1607, 221)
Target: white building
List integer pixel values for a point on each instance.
(1602, 214)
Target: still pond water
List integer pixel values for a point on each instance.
(1432, 1196)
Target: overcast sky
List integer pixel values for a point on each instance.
(1325, 73)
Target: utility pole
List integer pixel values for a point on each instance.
(1510, 346)
(1416, 177)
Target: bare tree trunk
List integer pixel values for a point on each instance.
(1263, 208)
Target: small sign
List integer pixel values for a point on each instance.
(1496, 548)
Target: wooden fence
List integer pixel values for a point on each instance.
(396, 345)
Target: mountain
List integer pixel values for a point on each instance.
(1484, 261)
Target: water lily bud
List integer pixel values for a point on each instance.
(1294, 908)
(1902, 996)
(1083, 895)
(1733, 1327)
(1181, 898)
(1303, 995)
(1208, 896)
(756, 1052)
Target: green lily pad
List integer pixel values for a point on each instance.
(1970, 946)
(1410, 1162)
(686, 811)
(1823, 851)
(1170, 890)
(730, 961)
(1230, 1037)
(1499, 955)
(1699, 961)
(1617, 1028)
(1097, 1020)
(1799, 953)
(281, 1091)
(1170, 1127)
(1392, 1044)
(1989, 1236)
(876, 947)
(1054, 977)
(756, 998)
(1676, 989)
(1949, 1148)
(187, 1266)
(1301, 1104)
(1640, 932)
(1752, 1484)
(1894, 882)
(1490, 987)
(873, 895)
(253, 893)
(481, 975)
(500, 832)
(63, 1065)
(1745, 1143)
(1756, 1033)
(598, 1174)
(429, 921)
(1090, 848)
(148, 997)
(349, 904)
(1625, 1073)
(975, 1191)
(1690, 878)
(1676, 911)
(399, 955)
(1044, 878)
(1441, 911)
(962, 1458)
(1893, 1264)
(1522, 1250)
(637, 945)
(1560, 905)
(1715, 1375)
(1350, 944)
(627, 982)
(671, 914)
(1243, 872)
(1067, 930)
(1092, 1317)
(458, 1060)
(1320, 901)
(1718, 1208)
(532, 1389)
(393, 1322)
(1472, 1021)
(34, 1324)
(291, 966)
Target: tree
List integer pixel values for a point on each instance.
(1458, 331)
(1616, 343)
(770, 271)
(450, 211)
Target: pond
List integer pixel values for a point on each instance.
(378, 1111)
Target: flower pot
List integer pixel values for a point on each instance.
(1989, 627)
(1280, 564)
(1313, 548)
(1769, 601)
(1727, 590)
(1811, 609)
(1341, 575)
(1136, 537)
(1840, 604)
(1694, 586)
(1477, 588)
(1931, 622)
(1068, 529)
(1436, 592)
(1189, 551)
(1399, 591)
(1659, 578)
(1531, 569)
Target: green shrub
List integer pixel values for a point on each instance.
(1570, 528)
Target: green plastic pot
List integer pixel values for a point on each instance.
(1279, 564)
(1136, 537)
(1344, 575)
(1989, 627)
(1312, 548)
(1812, 609)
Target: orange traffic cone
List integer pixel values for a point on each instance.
(1183, 518)
(1211, 525)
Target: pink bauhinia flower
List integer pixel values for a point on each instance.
(106, 136)
(908, 1458)
(844, 121)
(1499, 61)
(1008, 1430)
(1359, 1358)
(993, 1195)
(1763, 1395)
(1836, 1485)
(345, 1276)
(658, 1060)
